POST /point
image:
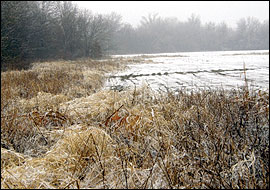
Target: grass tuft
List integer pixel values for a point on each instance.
(60, 129)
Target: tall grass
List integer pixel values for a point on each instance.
(61, 130)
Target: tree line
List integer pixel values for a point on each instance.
(48, 30)
(159, 35)
(44, 30)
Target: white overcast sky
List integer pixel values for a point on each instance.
(214, 11)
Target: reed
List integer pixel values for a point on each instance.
(60, 129)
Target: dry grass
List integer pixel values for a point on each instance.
(60, 130)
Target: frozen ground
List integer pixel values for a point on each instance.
(191, 70)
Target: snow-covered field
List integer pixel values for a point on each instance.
(191, 70)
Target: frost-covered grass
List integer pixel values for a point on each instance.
(61, 129)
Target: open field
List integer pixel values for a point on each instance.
(61, 129)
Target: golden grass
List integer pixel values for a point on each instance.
(59, 129)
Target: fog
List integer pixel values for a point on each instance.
(47, 30)
(209, 11)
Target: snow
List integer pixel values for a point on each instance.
(196, 69)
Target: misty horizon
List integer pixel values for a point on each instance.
(229, 12)
(42, 30)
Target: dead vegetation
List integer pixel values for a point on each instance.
(59, 129)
